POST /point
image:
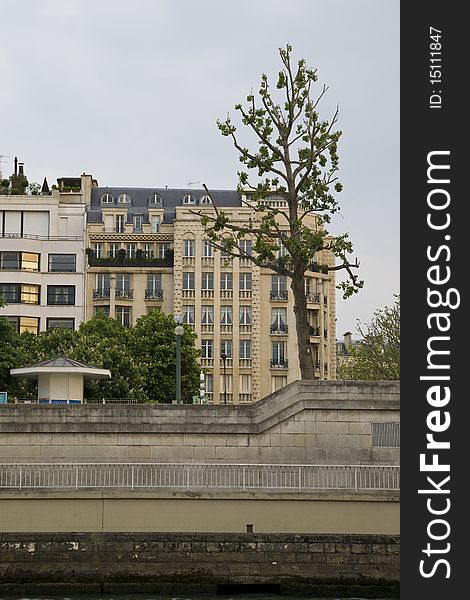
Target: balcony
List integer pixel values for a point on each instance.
(279, 329)
(102, 294)
(279, 296)
(207, 261)
(313, 298)
(207, 294)
(124, 294)
(154, 294)
(245, 398)
(225, 328)
(244, 363)
(207, 327)
(226, 294)
(122, 261)
(245, 328)
(189, 293)
(279, 364)
(245, 294)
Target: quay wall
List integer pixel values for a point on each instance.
(305, 422)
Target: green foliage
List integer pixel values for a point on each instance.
(377, 357)
(153, 344)
(297, 155)
(141, 359)
(18, 184)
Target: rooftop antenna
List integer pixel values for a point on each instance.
(2, 157)
(192, 183)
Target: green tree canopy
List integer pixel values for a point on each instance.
(295, 158)
(153, 344)
(377, 356)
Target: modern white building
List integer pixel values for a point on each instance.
(42, 258)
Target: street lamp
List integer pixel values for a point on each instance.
(178, 333)
(223, 356)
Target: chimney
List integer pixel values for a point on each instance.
(16, 166)
(20, 168)
(347, 341)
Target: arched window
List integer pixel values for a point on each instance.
(205, 200)
(188, 199)
(156, 199)
(124, 199)
(107, 199)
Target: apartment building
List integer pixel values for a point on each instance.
(42, 266)
(146, 248)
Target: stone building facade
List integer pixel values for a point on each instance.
(147, 248)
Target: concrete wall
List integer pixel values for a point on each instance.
(305, 422)
(110, 511)
(315, 565)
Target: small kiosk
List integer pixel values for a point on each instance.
(60, 380)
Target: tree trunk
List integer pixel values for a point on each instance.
(307, 369)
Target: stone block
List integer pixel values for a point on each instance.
(359, 428)
(336, 427)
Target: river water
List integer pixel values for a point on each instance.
(189, 597)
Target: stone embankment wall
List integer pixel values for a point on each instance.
(317, 565)
(305, 422)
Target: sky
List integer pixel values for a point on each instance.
(130, 92)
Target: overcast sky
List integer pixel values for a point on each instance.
(129, 91)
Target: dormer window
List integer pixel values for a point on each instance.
(156, 199)
(205, 200)
(188, 199)
(124, 199)
(107, 199)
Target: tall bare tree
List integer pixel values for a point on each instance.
(296, 161)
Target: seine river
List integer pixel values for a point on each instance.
(150, 597)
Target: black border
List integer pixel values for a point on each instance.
(424, 130)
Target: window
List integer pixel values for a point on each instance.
(225, 315)
(26, 261)
(278, 283)
(10, 260)
(278, 353)
(154, 282)
(123, 281)
(163, 250)
(124, 199)
(15, 293)
(60, 294)
(207, 314)
(130, 250)
(59, 323)
(22, 324)
(120, 223)
(138, 221)
(226, 347)
(245, 349)
(148, 250)
(188, 314)
(156, 199)
(188, 280)
(189, 248)
(205, 200)
(156, 223)
(29, 294)
(188, 199)
(279, 319)
(245, 315)
(245, 384)
(103, 310)
(123, 315)
(245, 247)
(113, 250)
(97, 250)
(107, 199)
(103, 282)
(29, 261)
(64, 263)
(226, 281)
(207, 349)
(281, 251)
(207, 280)
(245, 281)
(10, 292)
(209, 383)
(207, 249)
